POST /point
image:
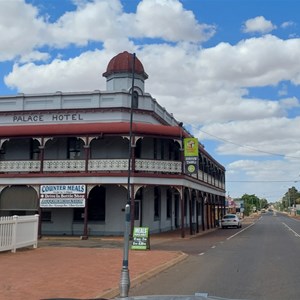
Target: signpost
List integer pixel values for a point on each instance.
(141, 239)
(191, 155)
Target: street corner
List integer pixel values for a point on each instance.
(157, 262)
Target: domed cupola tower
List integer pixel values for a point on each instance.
(119, 73)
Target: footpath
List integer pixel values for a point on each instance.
(70, 268)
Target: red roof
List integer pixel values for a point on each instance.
(122, 63)
(89, 129)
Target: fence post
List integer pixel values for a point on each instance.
(14, 233)
(36, 229)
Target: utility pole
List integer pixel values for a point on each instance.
(125, 278)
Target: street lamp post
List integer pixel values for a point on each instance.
(125, 278)
(289, 198)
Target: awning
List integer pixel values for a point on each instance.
(89, 129)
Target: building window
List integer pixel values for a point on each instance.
(46, 216)
(137, 210)
(73, 148)
(138, 204)
(138, 149)
(135, 101)
(78, 214)
(169, 204)
(96, 206)
(157, 196)
(34, 149)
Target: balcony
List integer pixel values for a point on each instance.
(101, 165)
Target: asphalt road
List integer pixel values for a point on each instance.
(259, 261)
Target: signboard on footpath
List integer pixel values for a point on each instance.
(62, 195)
(191, 155)
(141, 238)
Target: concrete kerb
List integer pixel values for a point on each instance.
(113, 293)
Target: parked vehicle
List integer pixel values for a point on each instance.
(231, 220)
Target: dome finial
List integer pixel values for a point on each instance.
(122, 63)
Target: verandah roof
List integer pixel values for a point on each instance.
(89, 129)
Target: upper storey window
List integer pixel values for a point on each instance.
(135, 100)
(73, 148)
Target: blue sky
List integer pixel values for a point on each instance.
(228, 69)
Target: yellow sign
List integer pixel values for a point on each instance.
(190, 147)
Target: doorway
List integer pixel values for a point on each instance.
(137, 213)
(176, 210)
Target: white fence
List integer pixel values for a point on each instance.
(18, 231)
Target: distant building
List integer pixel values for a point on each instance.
(230, 205)
(65, 156)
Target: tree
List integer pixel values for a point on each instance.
(263, 203)
(290, 198)
(251, 203)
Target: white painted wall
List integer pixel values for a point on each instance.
(123, 81)
(62, 220)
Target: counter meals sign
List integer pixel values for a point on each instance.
(141, 239)
(62, 195)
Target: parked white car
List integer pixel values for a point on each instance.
(231, 220)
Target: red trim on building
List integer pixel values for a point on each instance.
(122, 63)
(89, 129)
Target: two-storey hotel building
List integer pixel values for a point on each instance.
(67, 157)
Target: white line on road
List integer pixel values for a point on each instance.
(240, 231)
(202, 253)
(289, 228)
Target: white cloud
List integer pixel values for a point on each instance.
(259, 25)
(287, 24)
(283, 90)
(34, 56)
(92, 21)
(270, 136)
(167, 19)
(75, 74)
(290, 103)
(264, 178)
(21, 29)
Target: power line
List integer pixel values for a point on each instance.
(245, 146)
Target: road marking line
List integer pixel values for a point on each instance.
(240, 231)
(201, 253)
(290, 229)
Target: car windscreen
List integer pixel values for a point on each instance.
(229, 217)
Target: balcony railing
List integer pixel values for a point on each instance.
(20, 166)
(108, 165)
(165, 166)
(102, 165)
(64, 165)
